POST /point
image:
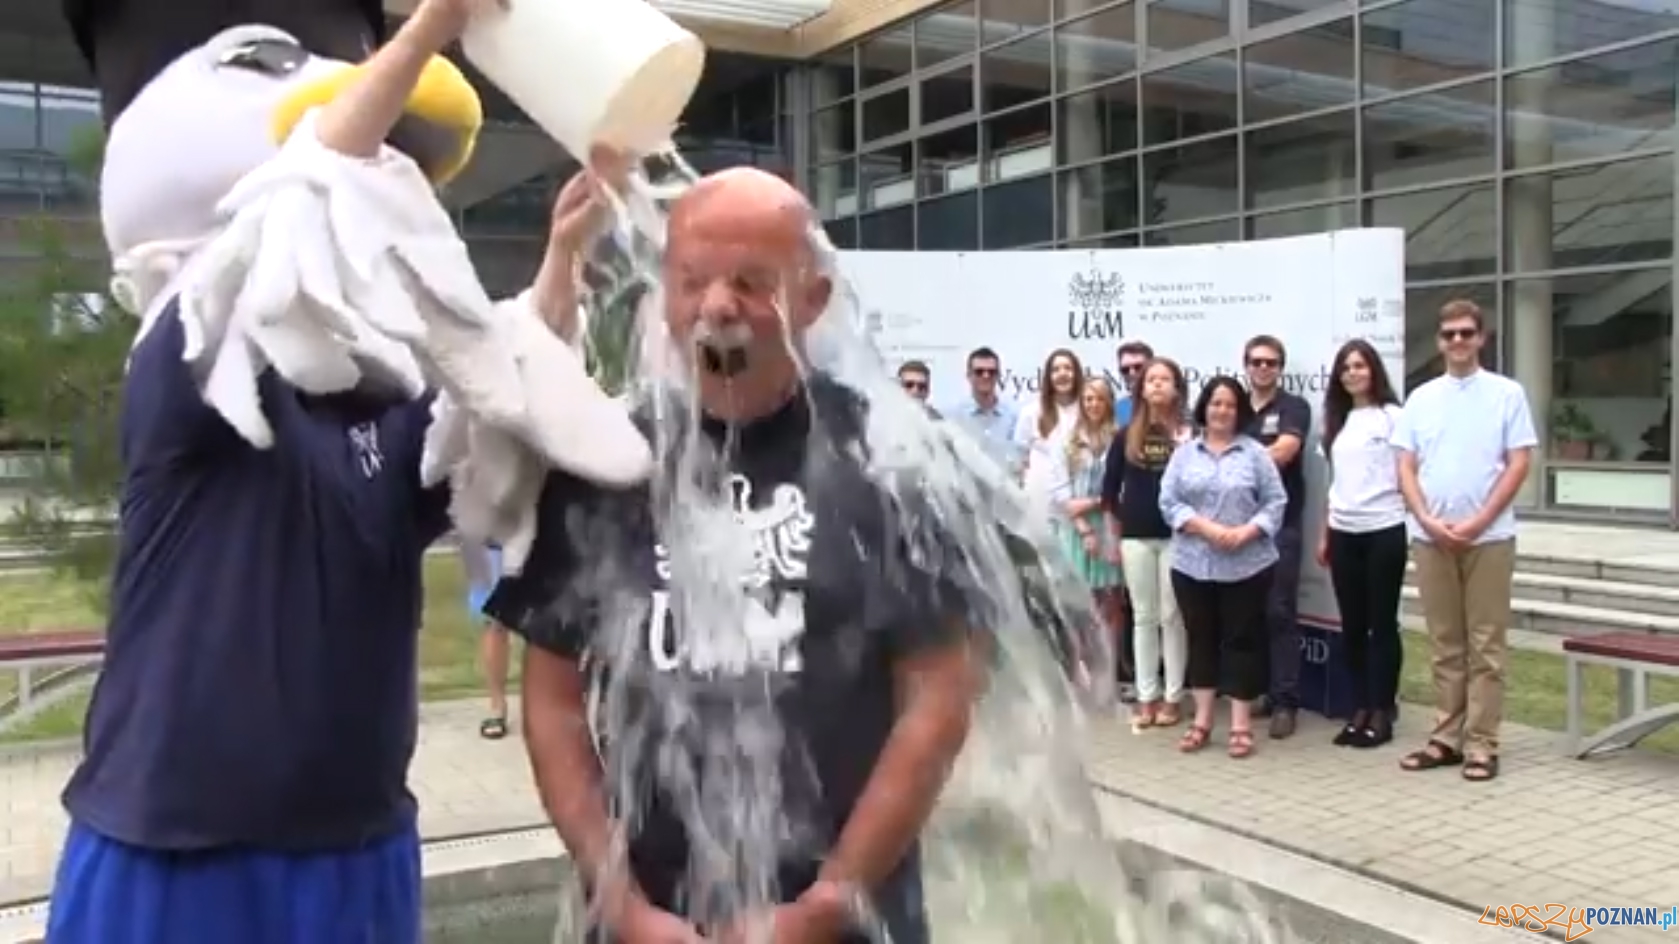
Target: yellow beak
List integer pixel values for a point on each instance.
(443, 105)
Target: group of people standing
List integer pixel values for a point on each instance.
(1186, 521)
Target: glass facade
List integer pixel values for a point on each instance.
(1525, 146)
(46, 133)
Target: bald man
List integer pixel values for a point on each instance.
(860, 660)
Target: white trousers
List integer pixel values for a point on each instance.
(1157, 634)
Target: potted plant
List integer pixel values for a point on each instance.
(1572, 433)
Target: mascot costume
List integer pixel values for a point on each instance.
(318, 385)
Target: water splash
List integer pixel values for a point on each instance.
(1016, 849)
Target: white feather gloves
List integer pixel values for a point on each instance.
(496, 470)
(331, 270)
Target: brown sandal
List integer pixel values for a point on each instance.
(1194, 739)
(1480, 769)
(1169, 716)
(1432, 756)
(1240, 744)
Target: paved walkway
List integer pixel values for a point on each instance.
(1550, 829)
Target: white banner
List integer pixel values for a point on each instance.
(1195, 304)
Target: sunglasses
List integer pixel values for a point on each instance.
(914, 386)
(1458, 334)
(983, 371)
(1129, 369)
(1264, 362)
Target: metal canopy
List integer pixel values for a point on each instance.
(778, 14)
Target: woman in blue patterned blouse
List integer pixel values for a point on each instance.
(1224, 501)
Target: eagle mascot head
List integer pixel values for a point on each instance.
(199, 93)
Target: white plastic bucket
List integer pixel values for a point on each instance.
(616, 73)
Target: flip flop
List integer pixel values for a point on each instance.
(492, 729)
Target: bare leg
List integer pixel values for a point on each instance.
(493, 656)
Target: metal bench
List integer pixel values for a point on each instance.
(45, 662)
(1634, 657)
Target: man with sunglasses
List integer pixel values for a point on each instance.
(1281, 422)
(987, 416)
(1133, 357)
(1465, 442)
(917, 379)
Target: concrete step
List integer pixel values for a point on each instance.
(1583, 566)
(1550, 617)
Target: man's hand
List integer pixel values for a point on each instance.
(1322, 554)
(578, 213)
(820, 916)
(581, 206)
(1467, 531)
(645, 924)
(356, 122)
(1442, 534)
(441, 22)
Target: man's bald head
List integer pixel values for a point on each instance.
(740, 264)
(746, 203)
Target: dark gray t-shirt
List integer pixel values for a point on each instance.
(1286, 415)
(833, 602)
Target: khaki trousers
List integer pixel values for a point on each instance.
(1466, 603)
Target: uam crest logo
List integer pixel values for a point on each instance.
(874, 323)
(1365, 311)
(1094, 311)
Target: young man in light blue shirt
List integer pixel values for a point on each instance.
(1466, 440)
(1133, 357)
(984, 414)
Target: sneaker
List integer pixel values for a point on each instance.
(1283, 723)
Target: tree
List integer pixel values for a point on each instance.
(63, 345)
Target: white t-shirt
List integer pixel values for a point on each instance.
(1043, 453)
(1364, 468)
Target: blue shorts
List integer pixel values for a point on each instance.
(110, 893)
(477, 596)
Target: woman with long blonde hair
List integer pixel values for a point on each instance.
(1136, 464)
(1076, 494)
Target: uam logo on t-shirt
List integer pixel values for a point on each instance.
(766, 638)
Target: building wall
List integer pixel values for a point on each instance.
(1526, 147)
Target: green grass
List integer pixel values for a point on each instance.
(1536, 691)
(448, 638)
